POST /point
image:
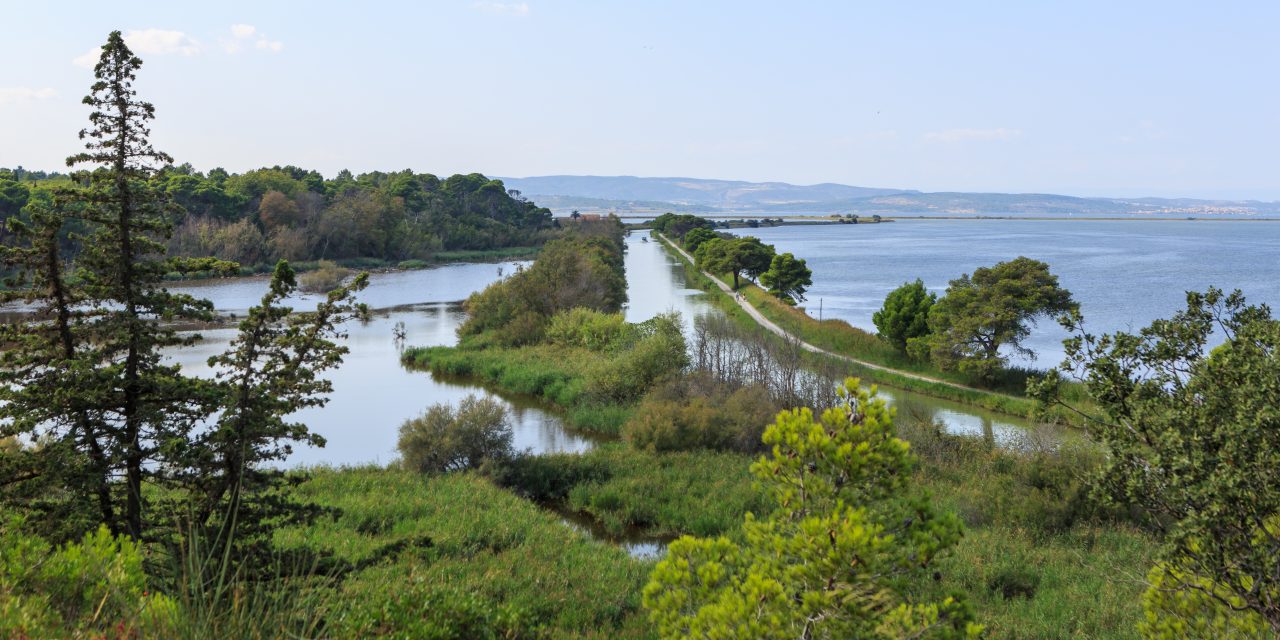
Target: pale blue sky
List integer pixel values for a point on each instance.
(1089, 98)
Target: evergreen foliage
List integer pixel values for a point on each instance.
(834, 559)
(1193, 437)
(788, 278)
(107, 431)
(905, 314)
(993, 309)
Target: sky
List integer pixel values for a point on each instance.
(1173, 99)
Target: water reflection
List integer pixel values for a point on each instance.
(656, 284)
(372, 393)
(997, 430)
(635, 543)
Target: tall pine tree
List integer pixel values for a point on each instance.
(151, 405)
(269, 371)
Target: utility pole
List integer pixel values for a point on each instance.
(819, 309)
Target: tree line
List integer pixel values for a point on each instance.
(783, 275)
(291, 213)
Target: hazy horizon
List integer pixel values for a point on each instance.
(1146, 99)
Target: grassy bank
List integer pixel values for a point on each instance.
(1038, 560)
(555, 374)
(700, 493)
(462, 548)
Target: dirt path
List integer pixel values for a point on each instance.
(774, 328)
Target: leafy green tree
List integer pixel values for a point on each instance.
(1193, 441)
(696, 237)
(753, 257)
(905, 314)
(836, 557)
(252, 185)
(737, 256)
(787, 278)
(994, 308)
(200, 197)
(676, 226)
(47, 372)
(584, 269)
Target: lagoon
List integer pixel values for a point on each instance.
(1124, 273)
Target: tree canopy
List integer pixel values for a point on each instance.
(1193, 441)
(788, 278)
(676, 226)
(737, 256)
(994, 308)
(905, 314)
(696, 237)
(584, 268)
(95, 409)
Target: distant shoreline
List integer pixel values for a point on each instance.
(1029, 218)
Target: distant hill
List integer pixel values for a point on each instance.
(633, 194)
(718, 194)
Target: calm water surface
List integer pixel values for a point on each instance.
(373, 394)
(1123, 273)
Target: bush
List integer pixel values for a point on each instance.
(326, 277)
(588, 328)
(659, 353)
(85, 589)
(433, 613)
(444, 439)
(905, 314)
(696, 413)
(413, 264)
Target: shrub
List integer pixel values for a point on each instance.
(905, 314)
(85, 589)
(582, 327)
(432, 613)
(444, 439)
(658, 354)
(695, 413)
(326, 277)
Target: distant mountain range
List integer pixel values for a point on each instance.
(632, 194)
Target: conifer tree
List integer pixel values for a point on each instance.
(269, 371)
(60, 457)
(838, 556)
(151, 405)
